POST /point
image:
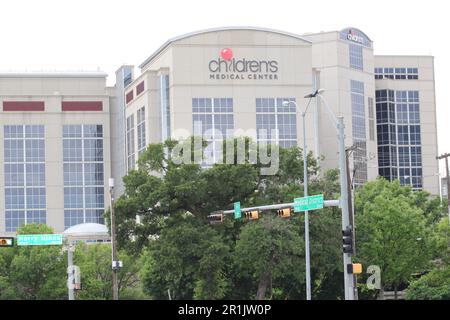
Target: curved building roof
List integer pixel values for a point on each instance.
(204, 31)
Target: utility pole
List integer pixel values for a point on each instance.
(348, 278)
(70, 279)
(350, 190)
(344, 201)
(305, 179)
(305, 184)
(115, 265)
(445, 156)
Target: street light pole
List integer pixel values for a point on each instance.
(339, 122)
(113, 242)
(305, 189)
(446, 156)
(348, 279)
(69, 271)
(305, 182)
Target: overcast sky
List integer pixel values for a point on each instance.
(91, 34)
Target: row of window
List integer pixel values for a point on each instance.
(129, 96)
(83, 174)
(397, 73)
(399, 137)
(24, 167)
(359, 132)
(139, 127)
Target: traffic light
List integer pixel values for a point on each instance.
(347, 240)
(6, 242)
(354, 268)
(284, 213)
(215, 218)
(252, 215)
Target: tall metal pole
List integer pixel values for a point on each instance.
(448, 185)
(305, 180)
(350, 190)
(69, 272)
(445, 156)
(348, 278)
(115, 283)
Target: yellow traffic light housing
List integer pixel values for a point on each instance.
(252, 215)
(354, 268)
(215, 218)
(284, 213)
(6, 242)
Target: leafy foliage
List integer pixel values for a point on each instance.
(33, 273)
(432, 286)
(94, 261)
(188, 259)
(391, 231)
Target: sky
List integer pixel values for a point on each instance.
(96, 34)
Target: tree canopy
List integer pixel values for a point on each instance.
(392, 231)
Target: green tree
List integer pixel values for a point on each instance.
(161, 189)
(33, 273)
(94, 261)
(432, 286)
(391, 232)
(441, 241)
(270, 250)
(189, 259)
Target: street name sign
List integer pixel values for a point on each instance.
(308, 203)
(237, 210)
(39, 239)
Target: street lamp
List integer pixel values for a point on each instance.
(339, 126)
(115, 264)
(305, 180)
(81, 232)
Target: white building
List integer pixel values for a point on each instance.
(63, 135)
(54, 149)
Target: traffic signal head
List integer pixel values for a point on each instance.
(252, 215)
(347, 240)
(6, 242)
(354, 268)
(284, 213)
(215, 218)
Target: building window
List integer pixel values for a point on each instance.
(398, 113)
(24, 170)
(276, 123)
(371, 119)
(397, 73)
(165, 107)
(359, 132)
(140, 88)
(131, 158)
(141, 130)
(127, 77)
(129, 96)
(356, 56)
(214, 121)
(413, 73)
(83, 171)
(378, 73)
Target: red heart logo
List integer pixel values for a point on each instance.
(226, 54)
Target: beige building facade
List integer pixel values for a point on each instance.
(183, 82)
(55, 149)
(62, 135)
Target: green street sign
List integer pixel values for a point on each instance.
(237, 210)
(39, 239)
(308, 203)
